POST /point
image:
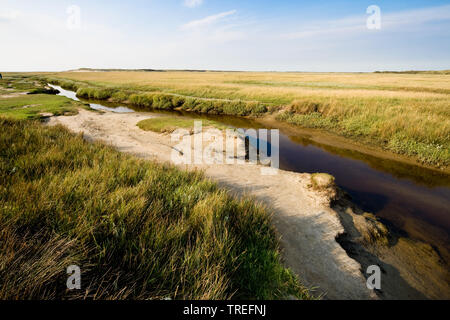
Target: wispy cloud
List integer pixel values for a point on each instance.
(357, 24)
(9, 15)
(193, 3)
(207, 21)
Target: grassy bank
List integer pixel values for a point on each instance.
(404, 113)
(24, 97)
(170, 124)
(162, 101)
(412, 127)
(31, 107)
(137, 229)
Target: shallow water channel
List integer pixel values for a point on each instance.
(416, 200)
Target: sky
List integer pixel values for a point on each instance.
(244, 35)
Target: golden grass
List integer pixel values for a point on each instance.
(249, 86)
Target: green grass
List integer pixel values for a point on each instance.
(170, 124)
(151, 98)
(26, 97)
(19, 83)
(30, 106)
(137, 229)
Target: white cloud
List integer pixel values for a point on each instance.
(193, 3)
(9, 15)
(357, 24)
(208, 20)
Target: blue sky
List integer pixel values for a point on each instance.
(258, 35)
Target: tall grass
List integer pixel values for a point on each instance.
(424, 134)
(137, 229)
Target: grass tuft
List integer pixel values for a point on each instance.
(170, 124)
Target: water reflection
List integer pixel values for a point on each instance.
(95, 106)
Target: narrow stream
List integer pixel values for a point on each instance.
(414, 199)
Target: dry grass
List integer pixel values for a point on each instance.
(274, 86)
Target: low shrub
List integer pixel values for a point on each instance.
(95, 93)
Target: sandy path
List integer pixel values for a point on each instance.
(307, 225)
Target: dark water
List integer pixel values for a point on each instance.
(414, 199)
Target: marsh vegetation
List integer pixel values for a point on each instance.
(24, 97)
(404, 113)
